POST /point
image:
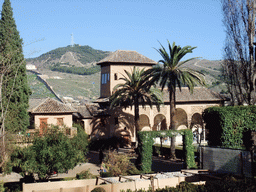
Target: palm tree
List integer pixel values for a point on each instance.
(173, 74)
(134, 91)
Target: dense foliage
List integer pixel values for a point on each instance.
(75, 70)
(86, 54)
(230, 126)
(80, 141)
(146, 142)
(51, 153)
(189, 149)
(15, 90)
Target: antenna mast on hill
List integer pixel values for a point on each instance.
(72, 40)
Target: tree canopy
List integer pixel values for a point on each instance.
(51, 153)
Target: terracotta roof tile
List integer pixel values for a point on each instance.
(86, 111)
(49, 105)
(121, 56)
(199, 94)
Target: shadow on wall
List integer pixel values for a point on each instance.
(106, 125)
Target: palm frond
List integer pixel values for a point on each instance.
(135, 85)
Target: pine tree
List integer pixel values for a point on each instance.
(14, 90)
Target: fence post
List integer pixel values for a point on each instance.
(241, 163)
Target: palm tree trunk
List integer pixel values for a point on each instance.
(172, 123)
(136, 118)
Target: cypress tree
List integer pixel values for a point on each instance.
(15, 90)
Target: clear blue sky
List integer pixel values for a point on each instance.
(110, 25)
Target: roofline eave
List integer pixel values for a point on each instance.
(125, 63)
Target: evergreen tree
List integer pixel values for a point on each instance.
(14, 90)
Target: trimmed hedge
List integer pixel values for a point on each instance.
(231, 126)
(145, 147)
(189, 149)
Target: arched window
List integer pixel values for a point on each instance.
(115, 76)
(143, 121)
(159, 123)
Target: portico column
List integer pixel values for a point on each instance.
(151, 118)
(203, 125)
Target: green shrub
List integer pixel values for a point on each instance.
(106, 174)
(98, 189)
(12, 187)
(231, 126)
(85, 175)
(189, 149)
(119, 164)
(2, 186)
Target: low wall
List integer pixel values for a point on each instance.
(53, 186)
(231, 161)
(136, 182)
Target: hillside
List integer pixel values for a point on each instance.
(38, 89)
(76, 56)
(212, 71)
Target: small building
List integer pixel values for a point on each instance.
(31, 67)
(44, 112)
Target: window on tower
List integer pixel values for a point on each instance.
(104, 78)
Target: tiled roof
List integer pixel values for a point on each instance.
(49, 105)
(121, 56)
(85, 111)
(199, 94)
